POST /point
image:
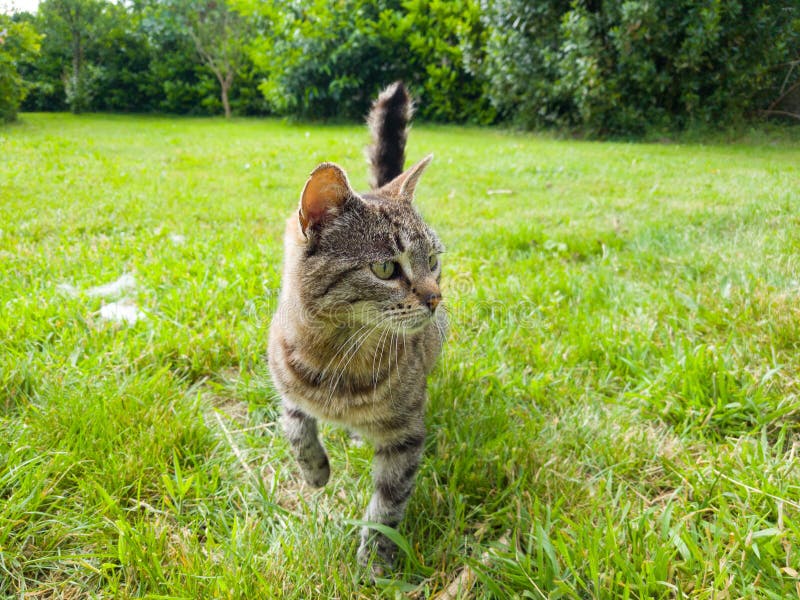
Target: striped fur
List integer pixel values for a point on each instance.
(388, 122)
(348, 347)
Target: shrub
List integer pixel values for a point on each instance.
(329, 59)
(442, 36)
(626, 67)
(17, 41)
(326, 59)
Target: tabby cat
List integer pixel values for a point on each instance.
(359, 323)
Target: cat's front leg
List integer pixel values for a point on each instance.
(394, 471)
(301, 431)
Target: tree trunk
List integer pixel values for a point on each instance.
(225, 103)
(224, 87)
(77, 82)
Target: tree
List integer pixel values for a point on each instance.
(219, 34)
(17, 41)
(73, 24)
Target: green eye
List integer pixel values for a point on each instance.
(433, 261)
(384, 270)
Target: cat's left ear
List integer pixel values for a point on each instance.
(324, 194)
(402, 187)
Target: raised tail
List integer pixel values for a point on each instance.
(388, 122)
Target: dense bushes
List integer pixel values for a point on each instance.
(323, 59)
(593, 66)
(443, 36)
(626, 67)
(126, 58)
(598, 67)
(329, 59)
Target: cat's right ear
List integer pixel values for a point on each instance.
(326, 190)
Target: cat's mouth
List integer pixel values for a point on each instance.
(410, 322)
(401, 319)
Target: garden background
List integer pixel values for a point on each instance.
(616, 413)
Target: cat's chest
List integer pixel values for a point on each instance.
(355, 380)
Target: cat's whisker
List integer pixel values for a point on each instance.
(373, 374)
(352, 353)
(384, 334)
(443, 335)
(441, 330)
(389, 361)
(387, 347)
(338, 373)
(350, 341)
(396, 351)
(353, 342)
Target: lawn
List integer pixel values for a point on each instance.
(616, 413)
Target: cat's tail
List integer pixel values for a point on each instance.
(388, 122)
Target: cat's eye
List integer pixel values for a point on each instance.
(384, 270)
(433, 262)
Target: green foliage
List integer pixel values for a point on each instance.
(44, 70)
(611, 68)
(79, 87)
(177, 82)
(440, 35)
(93, 58)
(328, 59)
(71, 27)
(18, 42)
(131, 58)
(219, 35)
(600, 68)
(125, 53)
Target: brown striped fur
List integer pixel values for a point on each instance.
(349, 347)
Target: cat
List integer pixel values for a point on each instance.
(359, 322)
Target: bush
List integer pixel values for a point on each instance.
(627, 67)
(330, 59)
(442, 36)
(17, 41)
(327, 59)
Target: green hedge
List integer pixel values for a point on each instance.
(597, 67)
(628, 67)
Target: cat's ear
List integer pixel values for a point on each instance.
(326, 190)
(402, 187)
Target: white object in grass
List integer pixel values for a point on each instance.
(124, 311)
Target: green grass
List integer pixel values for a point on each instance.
(616, 413)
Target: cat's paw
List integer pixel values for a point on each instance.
(376, 553)
(317, 473)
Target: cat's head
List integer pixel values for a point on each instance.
(366, 259)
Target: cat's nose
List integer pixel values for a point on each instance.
(432, 301)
